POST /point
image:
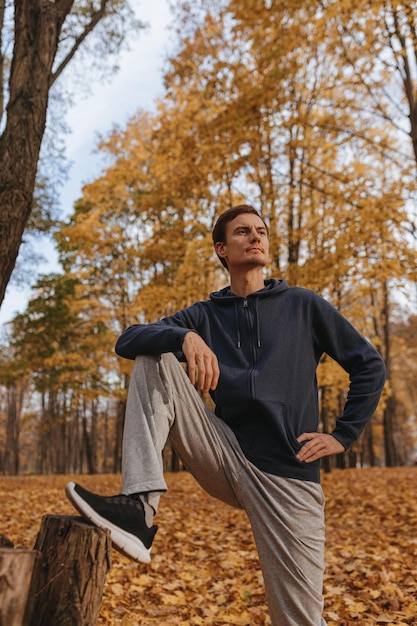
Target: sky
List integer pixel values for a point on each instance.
(136, 85)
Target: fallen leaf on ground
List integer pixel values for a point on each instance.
(205, 569)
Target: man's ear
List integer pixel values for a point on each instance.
(220, 249)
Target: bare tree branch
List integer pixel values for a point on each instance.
(96, 17)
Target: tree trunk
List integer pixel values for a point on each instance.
(16, 568)
(391, 456)
(68, 583)
(36, 35)
(11, 452)
(118, 439)
(406, 58)
(324, 416)
(368, 446)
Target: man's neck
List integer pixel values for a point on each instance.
(245, 284)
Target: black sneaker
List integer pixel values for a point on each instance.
(122, 515)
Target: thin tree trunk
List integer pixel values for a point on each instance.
(11, 458)
(368, 445)
(37, 28)
(324, 416)
(118, 435)
(391, 456)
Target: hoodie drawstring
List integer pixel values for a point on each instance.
(258, 327)
(257, 324)
(238, 343)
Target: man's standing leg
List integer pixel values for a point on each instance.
(287, 519)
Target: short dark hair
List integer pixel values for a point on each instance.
(219, 230)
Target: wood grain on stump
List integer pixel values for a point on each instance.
(68, 582)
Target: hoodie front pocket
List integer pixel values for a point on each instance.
(273, 435)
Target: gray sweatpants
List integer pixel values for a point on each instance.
(286, 515)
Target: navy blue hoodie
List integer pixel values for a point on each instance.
(268, 346)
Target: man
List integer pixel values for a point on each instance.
(254, 346)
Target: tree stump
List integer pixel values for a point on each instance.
(16, 568)
(68, 581)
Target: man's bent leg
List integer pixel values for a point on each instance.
(162, 403)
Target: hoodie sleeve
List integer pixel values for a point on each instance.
(365, 366)
(167, 335)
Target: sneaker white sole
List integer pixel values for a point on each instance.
(124, 542)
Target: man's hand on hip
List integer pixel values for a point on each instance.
(203, 366)
(317, 446)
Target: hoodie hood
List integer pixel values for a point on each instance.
(272, 286)
(227, 297)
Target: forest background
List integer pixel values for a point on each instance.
(308, 111)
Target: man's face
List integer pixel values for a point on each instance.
(247, 243)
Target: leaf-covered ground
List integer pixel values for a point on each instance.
(205, 569)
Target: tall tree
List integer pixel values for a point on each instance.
(46, 37)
